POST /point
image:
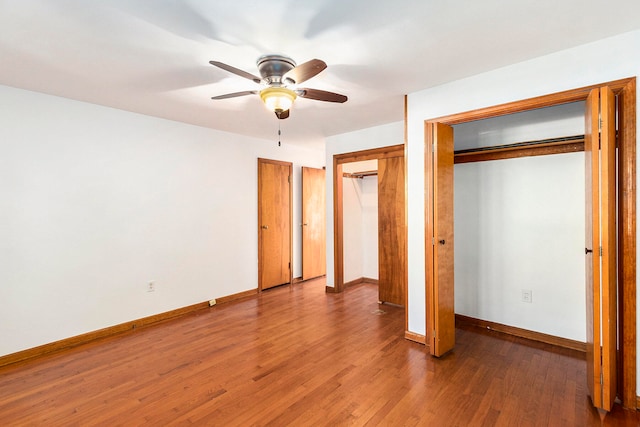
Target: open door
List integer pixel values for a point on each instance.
(439, 238)
(314, 253)
(274, 223)
(600, 251)
(392, 231)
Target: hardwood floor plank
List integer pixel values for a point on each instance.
(296, 355)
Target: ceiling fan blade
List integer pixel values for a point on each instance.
(304, 72)
(235, 71)
(235, 94)
(321, 95)
(282, 115)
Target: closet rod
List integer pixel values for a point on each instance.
(542, 147)
(549, 141)
(360, 175)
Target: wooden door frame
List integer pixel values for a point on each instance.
(338, 231)
(290, 165)
(625, 89)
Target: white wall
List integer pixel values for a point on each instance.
(557, 72)
(352, 228)
(96, 202)
(360, 222)
(519, 225)
(543, 123)
(370, 227)
(376, 137)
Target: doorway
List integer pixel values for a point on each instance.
(392, 227)
(625, 93)
(360, 222)
(520, 223)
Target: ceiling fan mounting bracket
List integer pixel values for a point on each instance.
(273, 67)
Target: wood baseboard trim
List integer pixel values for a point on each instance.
(412, 336)
(361, 280)
(81, 339)
(239, 295)
(355, 282)
(297, 280)
(523, 333)
(67, 343)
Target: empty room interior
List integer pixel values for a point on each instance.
(323, 213)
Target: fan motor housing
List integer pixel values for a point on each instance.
(273, 67)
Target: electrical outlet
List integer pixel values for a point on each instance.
(527, 295)
(151, 286)
(212, 302)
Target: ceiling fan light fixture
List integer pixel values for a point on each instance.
(278, 99)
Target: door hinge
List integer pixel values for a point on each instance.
(289, 266)
(600, 250)
(433, 241)
(433, 148)
(601, 378)
(289, 179)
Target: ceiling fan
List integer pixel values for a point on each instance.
(281, 76)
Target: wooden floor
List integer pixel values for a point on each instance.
(297, 356)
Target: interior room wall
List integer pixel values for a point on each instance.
(360, 222)
(352, 228)
(95, 203)
(370, 227)
(519, 226)
(593, 63)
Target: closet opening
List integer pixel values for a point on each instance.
(610, 181)
(357, 177)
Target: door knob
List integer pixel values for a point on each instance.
(305, 224)
(441, 241)
(587, 251)
(264, 227)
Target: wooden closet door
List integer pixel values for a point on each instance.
(600, 251)
(439, 238)
(392, 240)
(314, 246)
(274, 223)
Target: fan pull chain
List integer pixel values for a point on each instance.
(279, 133)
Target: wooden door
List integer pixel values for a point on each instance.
(314, 243)
(274, 223)
(392, 240)
(439, 238)
(600, 251)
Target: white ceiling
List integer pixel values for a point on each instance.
(151, 56)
